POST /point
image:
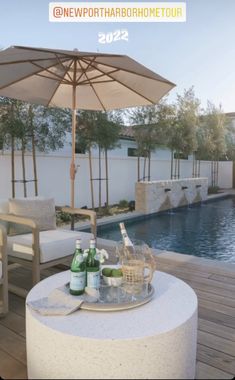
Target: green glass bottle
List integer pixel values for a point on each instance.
(92, 267)
(78, 271)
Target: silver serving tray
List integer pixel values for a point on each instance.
(109, 306)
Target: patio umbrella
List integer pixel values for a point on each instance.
(78, 80)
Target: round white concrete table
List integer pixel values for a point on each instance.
(153, 341)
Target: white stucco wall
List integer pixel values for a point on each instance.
(54, 181)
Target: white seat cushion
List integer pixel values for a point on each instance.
(0, 269)
(54, 244)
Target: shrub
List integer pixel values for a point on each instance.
(213, 189)
(123, 203)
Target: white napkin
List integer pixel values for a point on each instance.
(60, 302)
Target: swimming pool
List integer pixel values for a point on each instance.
(204, 230)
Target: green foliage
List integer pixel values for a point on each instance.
(62, 217)
(150, 129)
(22, 121)
(123, 203)
(211, 134)
(183, 124)
(98, 128)
(213, 189)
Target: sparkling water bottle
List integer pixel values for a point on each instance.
(78, 271)
(93, 267)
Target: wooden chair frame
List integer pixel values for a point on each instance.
(4, 278)
(35, 264)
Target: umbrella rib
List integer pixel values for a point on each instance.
(98, 76)
(55, 79)
(128, 87)
(93, 88)
(84, 83)
(23, 78)
(61, 63)
(133, 72)
(53, 94)
(85, 70)
(50, 72)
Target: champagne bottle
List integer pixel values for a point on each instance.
(128, 245)
(93, 267)
(78, 271)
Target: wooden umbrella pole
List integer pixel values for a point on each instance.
(72, 166)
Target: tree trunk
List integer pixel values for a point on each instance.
(217, 173)
(172, 162)
(138, 168)
(212, 174)
(194, 166)
(99, 179)
(91, 179)
(13, 166)
(34, 165)
(149, 165)
(23, 167)
(175, 170)
(144, 169)
(107, 178)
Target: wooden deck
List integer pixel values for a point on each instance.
(215, 288)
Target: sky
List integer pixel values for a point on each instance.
(199, 52)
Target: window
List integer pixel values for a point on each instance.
(180, 155)
(132, 152)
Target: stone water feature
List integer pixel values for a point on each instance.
(155, 196)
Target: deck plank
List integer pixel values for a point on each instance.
(224, 279)
(215, 298)
(13, 322)
(216, 359)
(11, 368)
(215, 306)
(216, 329)
(214, 316)
(204, 371)
(216, 342)
(13, 344)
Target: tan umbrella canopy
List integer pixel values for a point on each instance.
(78, 80)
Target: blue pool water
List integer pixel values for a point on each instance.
(206, 230)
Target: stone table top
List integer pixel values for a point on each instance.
(174, 302)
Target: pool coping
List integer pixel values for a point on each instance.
(176, 257)
(132, 215)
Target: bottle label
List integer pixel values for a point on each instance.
(93, 279)
(77, 280)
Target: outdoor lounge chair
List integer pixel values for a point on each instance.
(36, 242)
(3, 273)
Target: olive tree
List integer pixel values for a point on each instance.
(34, 128)
(182, 139)
(150, 131)
(211, 138)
